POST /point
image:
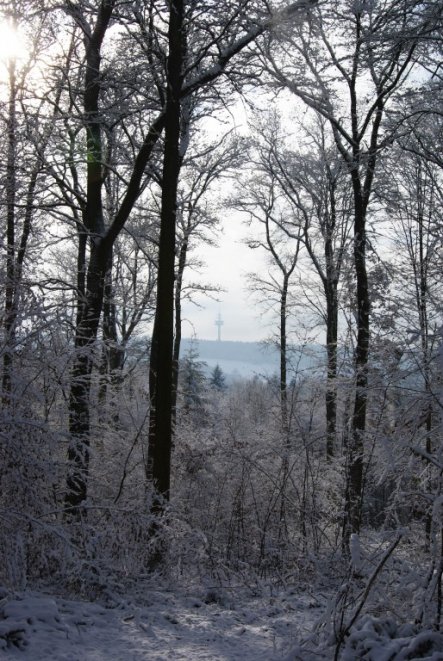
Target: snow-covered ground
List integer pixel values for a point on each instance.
(158, 626)
(218, 625)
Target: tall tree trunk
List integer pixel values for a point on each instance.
(424, 196)
(331, 350)
(284, 361)
(11, 192)
(79, 397)
(113, 354)
(284, 406)
(356, 445)
(178, 326)
(90, 301)
(160, 375)
(361, 188)
(330, 287)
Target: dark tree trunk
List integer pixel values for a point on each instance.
(284, 361)
(90, 301)
(160, 377)
(283, 532)
(79, 398)
(356, 444)
(333, 265)
(361, 194)
(329, 273)
(361, 187)
(329, 277)
(113, 353)
(354, 487)
(178, 326)
(331, 349)
(11, 191)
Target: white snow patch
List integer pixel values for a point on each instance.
(162, 626)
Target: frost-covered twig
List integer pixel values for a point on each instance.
(344, 632)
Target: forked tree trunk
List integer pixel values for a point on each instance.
(91, 298)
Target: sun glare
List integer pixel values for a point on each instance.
(11, 43)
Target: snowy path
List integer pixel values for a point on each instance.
(165, 626)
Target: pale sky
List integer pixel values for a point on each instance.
(227, 266)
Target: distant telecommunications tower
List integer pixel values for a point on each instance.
(219, 323)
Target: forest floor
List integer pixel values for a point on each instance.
(219, 626)
(146, 622)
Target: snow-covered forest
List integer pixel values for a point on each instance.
(150, 508)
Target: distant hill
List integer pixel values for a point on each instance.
(245, 359)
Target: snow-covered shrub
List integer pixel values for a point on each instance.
(383, 639)
(259, 504)
(23, 616)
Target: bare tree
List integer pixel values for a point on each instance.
(197, 220)
(262, 199)
(414, 203)
(350, 73)
(28, 122)
(265, 205)
(90, 114)
(313, 182)
(160, 439)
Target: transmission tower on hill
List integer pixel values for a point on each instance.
(219, 323)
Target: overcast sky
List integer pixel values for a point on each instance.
(227, 265)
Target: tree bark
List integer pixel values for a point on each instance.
(11, 191)
(331, 350)
(89, 304)
(178, 326)
(160, 374)
(284, 361)
(356, 449)
(333, 267)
